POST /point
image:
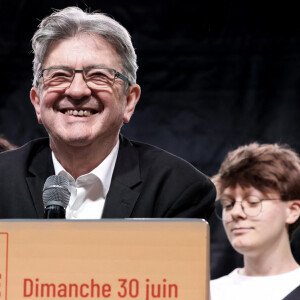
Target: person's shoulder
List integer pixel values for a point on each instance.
(23, 153)
(224, 279)
(221, 288)
(157, 156)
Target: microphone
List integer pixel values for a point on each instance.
(56, 196)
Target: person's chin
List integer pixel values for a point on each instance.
(241, 244)
(77, 140)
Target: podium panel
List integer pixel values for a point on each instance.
(141, 259)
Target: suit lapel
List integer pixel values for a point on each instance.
(39, 169)
(125, 185)
(124, 189)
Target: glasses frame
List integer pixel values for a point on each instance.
(117, 74)
(243, 209)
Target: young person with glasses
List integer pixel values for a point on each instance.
(84, 89)
(258, 192)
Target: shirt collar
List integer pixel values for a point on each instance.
(103, 171)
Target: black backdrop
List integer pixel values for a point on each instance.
(214, 75)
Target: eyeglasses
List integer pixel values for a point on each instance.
(251, 206)
(95, 78)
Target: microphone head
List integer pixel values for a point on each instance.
(56, 191)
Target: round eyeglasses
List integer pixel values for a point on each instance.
(251, 207)
(95, 78)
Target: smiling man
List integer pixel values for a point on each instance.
(84, 89)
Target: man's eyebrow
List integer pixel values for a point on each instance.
(57, 67)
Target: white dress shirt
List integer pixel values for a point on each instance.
(89, 191)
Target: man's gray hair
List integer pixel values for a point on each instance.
(71, 21)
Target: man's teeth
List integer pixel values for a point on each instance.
(75, 112)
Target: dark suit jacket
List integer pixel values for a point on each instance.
(293, 295)
(147, 182)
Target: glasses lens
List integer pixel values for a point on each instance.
(57, 78)
(99, 78)
(223, 208)
(252, 206)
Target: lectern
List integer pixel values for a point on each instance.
(129, 259)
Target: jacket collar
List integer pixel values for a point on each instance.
(126, 182)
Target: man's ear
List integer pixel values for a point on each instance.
(35, 100)
(293, 211)
(132, 98)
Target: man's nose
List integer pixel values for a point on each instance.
(78, 88)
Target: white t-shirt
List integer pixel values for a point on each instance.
(239, 287)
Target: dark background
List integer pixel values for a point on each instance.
(214, 75)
